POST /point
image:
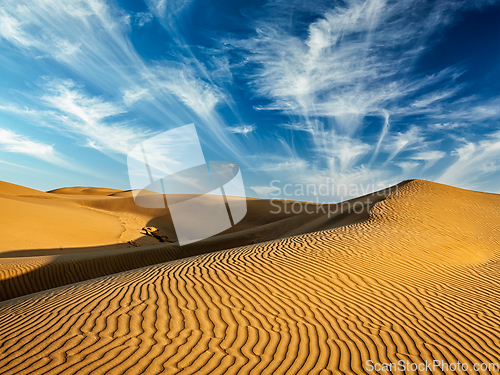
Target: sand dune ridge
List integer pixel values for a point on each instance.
(415, 282)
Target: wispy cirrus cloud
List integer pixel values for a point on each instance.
(165, 10)
(342, 152)
(92, 118)
(11, 141)
(11, 30)
(69, 110)
(264, 191)
(335, 90)
(242, 129)
(194, 92)
(473, 161)
(429, 157)
(134, 94)
(407, 167)
(472, 110)
(285, 166)
(90, 39)
(411, 139)
(143, 18)
(353, 62)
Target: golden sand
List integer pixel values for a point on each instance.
(418, 280)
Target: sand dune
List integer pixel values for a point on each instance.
(80, 190)
(418, 280)
(30, 219)
(83, 219)
(26, 267)
(7, 188)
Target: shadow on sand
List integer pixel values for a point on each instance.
(94, 262)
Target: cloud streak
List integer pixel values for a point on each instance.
(315, 91)
(90, 38)
(242, 129)
(90, 117)
(473, 161)
(17, 143)
(355, 62)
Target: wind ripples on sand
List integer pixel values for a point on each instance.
(413, 283)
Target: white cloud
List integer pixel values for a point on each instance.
(473, 161)
(68, 98)
(135, 94)
(403, 141)
(25, 26)
(407, 166)
(472, 110)
(426, 101)
(143, 18)
(286, 166)
(429, 157)
(264, 191)
(11, 30)
(158, 7)
(91, 117)
(383, 133)
(358, 60)
(342, 152)
(194, 92)
(17, 143)
(309, 125)
(445, 126)
(13, 142)
(242, 129)
(352, 63)
(89, 40)
(166, 9)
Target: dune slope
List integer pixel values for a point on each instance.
(35, 269)
(84, 219)
(419, 280)
(31, 219)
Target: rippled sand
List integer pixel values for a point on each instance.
(418, 280)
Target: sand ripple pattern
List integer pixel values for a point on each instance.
(419, 281)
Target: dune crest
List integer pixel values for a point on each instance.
(417, 281)
(81, 190)
(33, 270)
(7, 188)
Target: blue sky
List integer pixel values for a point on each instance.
(360, 93)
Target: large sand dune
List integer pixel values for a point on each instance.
(418, 279)
(83, 219)
(70, 218)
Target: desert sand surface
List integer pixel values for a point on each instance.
(31, 219)
(417, 278)
(98, 234)
(83, 219)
